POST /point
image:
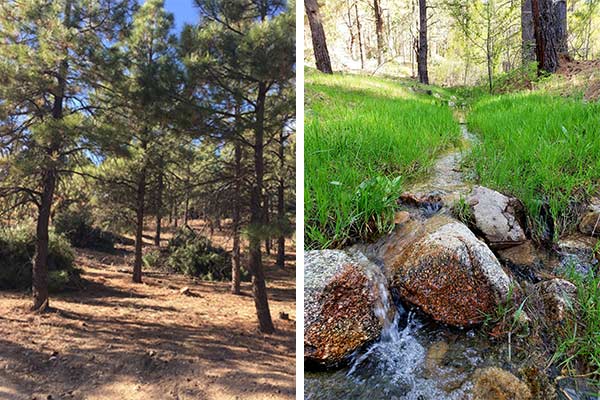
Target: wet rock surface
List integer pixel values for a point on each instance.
(497, 217)
(341, 293)
(577, 251)
(441, 267)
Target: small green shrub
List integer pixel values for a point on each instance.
(17, 249)
(194, 255)
(76, 223)
(151, 259)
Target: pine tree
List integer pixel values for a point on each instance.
(52, 54)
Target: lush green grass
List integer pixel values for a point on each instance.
(364, 138)
(542, 149)
(579, 341)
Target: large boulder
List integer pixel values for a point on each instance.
(590, 221)
(441, 267)
(496, 216)
(341, 300)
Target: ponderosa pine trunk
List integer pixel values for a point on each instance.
(423, 48)
(236, 277)
(139, 228)
(319, 40)
(159, 195)
(267, 219)
(546, 30)
(379, 31)
(281, 203)
(259, 287)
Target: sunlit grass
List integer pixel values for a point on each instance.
(544, 150)
(365, 137)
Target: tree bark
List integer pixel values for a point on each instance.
(139, 228)
(267, 219)
(259, 288)
(545, 27)
(527, 32)
(319, 40)
(281, 202)
(423, 48)
(379, 31)
(560, 15)
(236, 277)
(159, 195)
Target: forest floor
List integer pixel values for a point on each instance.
(117, 340)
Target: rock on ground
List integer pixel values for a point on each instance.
(446, 271)
(590, 222)
(497, 384)
(496, 217)
(341, 292)
(553, 299)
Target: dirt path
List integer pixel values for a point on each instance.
(116, 340)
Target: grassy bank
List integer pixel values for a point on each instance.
(541, 149)
(365, 137)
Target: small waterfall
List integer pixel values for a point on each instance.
(394, 364)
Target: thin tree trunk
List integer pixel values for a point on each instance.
(489, 47)
(259, 288)
(360, 45)
(40, 265)
(236, 266)
(319, 40)
(139, 228)
(281, 203)
(159, 196)
(423, 48)
(379, 31)
(267, 219)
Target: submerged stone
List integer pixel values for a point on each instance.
(341, 296)
(441, 267)
(497, 384)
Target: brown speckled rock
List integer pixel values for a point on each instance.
(446, 271)
(496, 217)
(341, 291)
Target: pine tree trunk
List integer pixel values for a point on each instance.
(159, 195)
(236, 266)
(281, 203)
(527, 32)
(267, 219)
(422, 54)
(259, 288)
(379, 31)
(319, 40)
(546, 30)
(40, 264)
(139, 228)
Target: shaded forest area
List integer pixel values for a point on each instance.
(146, 193)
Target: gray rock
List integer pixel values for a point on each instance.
(590, 222)
(553, 299)
(495, 216)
